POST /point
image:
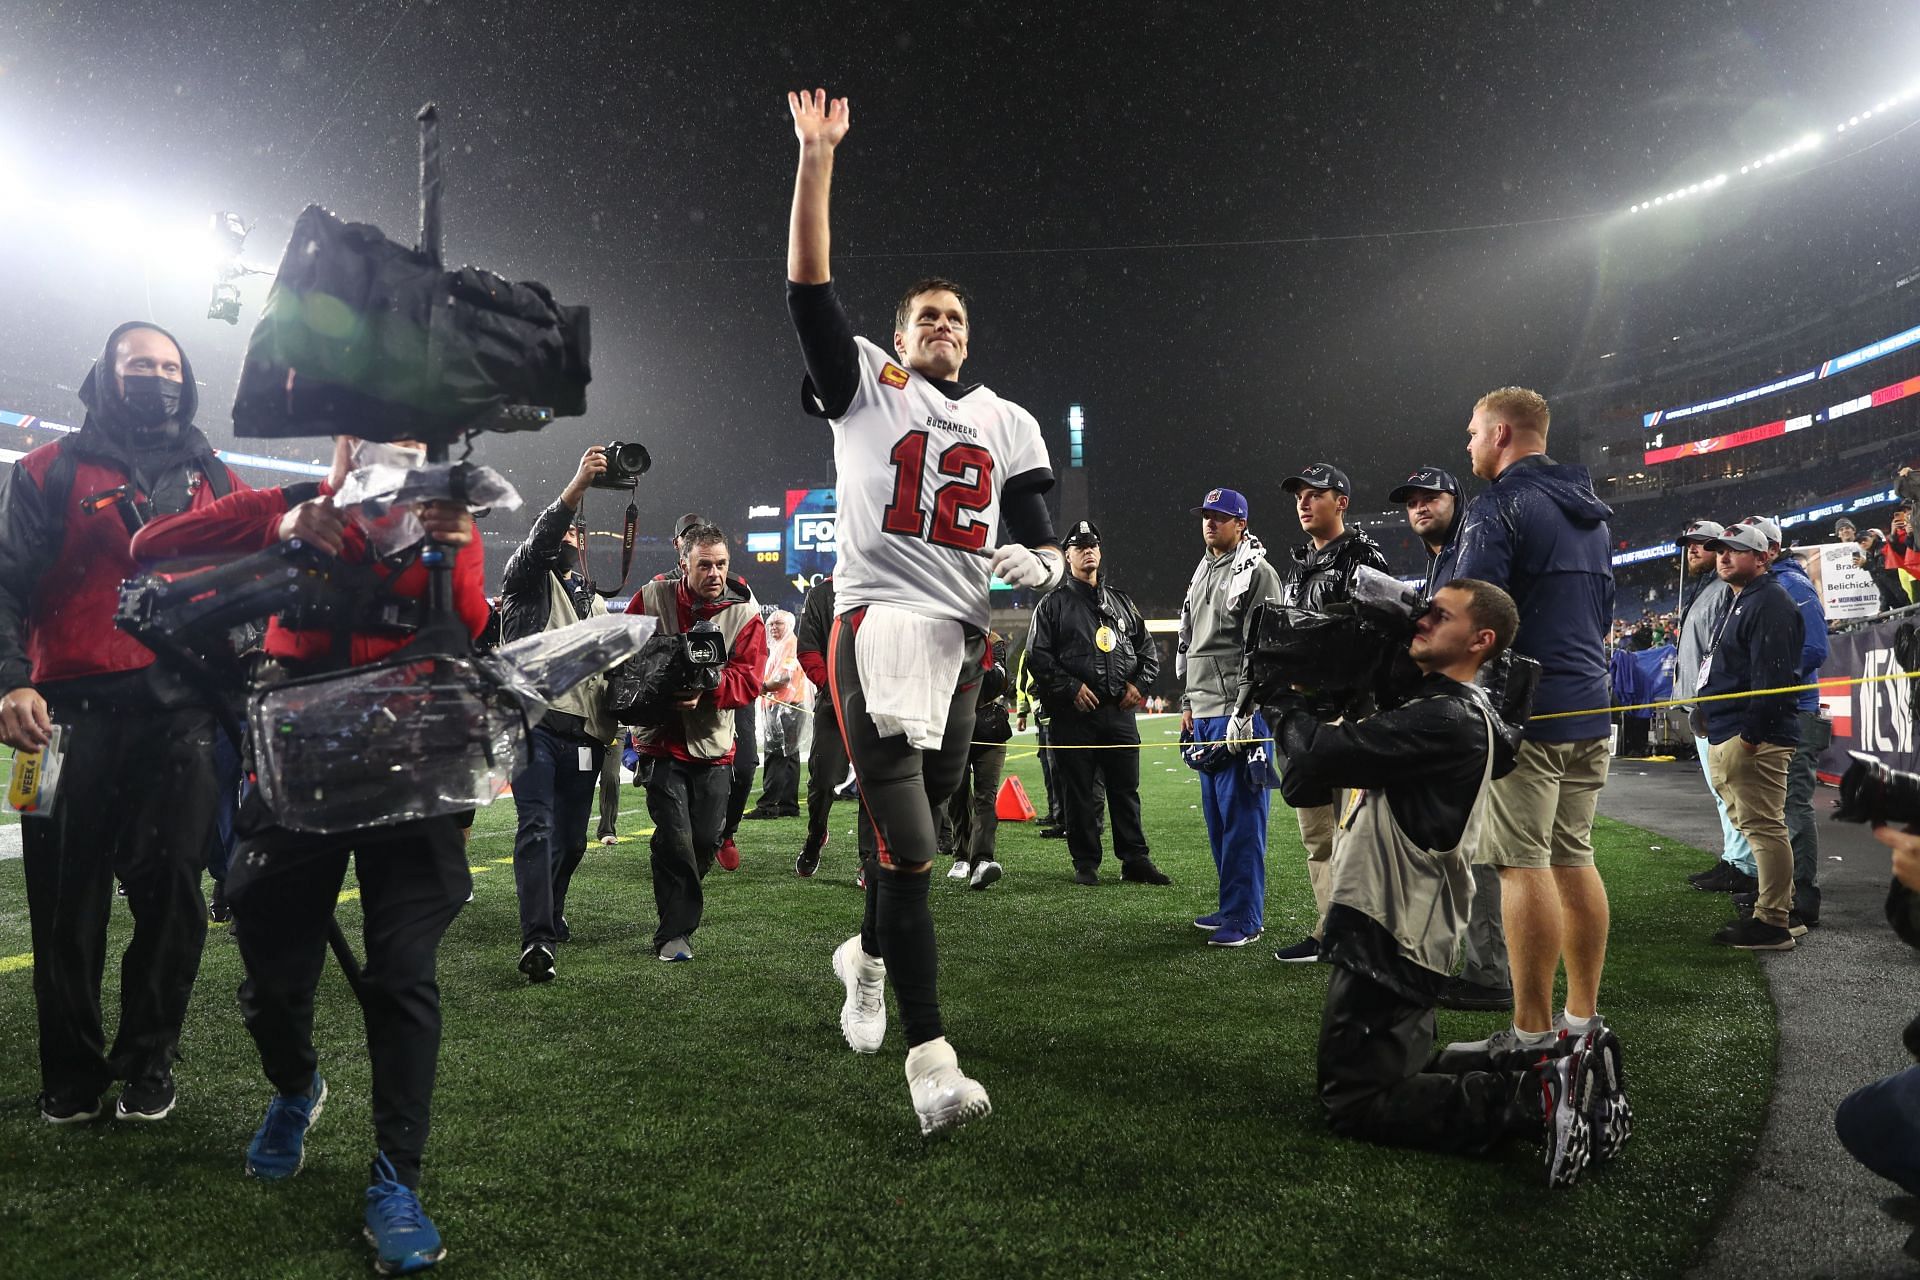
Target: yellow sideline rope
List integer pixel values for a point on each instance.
(1552, 715)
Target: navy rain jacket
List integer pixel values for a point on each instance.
(1758, 648)
(1813, 621)
(1540, 533)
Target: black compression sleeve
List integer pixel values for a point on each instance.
(1023, 509)
(826, 345)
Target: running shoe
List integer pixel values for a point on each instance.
(146, 1099)
(279, 1148)
(403, 1237)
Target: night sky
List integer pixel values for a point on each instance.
(1176, 215)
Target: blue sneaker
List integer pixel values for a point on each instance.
(403, 1237)
(1232, 935)
(280, 1146)
(1214, 921)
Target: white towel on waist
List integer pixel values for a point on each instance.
(909, 666)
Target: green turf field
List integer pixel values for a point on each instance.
(1154, 1106)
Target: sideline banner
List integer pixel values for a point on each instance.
(1846, 590)
(1875, 718)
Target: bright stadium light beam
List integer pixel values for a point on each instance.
(1804, 144)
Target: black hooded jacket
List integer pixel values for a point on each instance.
(1320, 575)
(60, 564)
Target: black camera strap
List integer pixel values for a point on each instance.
(627, 538)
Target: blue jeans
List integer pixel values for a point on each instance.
(1733, 846)
(553, 799)
(1879, 1125)
(1236, 814)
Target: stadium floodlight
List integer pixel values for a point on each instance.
(1805, 143)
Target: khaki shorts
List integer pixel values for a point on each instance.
(1541, 814)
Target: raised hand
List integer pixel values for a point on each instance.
(818, 121)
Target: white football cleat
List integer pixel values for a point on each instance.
(943, 1098)
(863, 1014)
(960, 870)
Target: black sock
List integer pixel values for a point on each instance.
(869, 933)
(904, 927)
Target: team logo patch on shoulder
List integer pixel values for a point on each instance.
(894, 376)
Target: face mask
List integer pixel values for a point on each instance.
(150, 399)
(569, 559)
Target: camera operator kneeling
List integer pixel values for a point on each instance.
(1399, 897)
(693, 751)
(283, 885)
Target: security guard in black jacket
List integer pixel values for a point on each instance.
(1090, 656)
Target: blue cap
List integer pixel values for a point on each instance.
(1225, 502)
(1433, 479)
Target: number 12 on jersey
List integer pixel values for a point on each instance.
(957, 506)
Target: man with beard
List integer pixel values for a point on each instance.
(138, 792)
(1733, 871)
(1431, 496)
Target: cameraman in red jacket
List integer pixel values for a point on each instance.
(283, 885)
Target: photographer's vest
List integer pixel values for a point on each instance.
(1420, 896)
(588, 699)
(708, 730)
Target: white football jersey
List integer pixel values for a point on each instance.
(919, 479)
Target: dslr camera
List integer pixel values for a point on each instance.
(643, 690)
(1873, 791)
(626, 463)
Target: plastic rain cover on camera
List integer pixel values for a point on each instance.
(381, 497)
(1290, 647)
(418, 738)
(541, 668)
(1384, 598)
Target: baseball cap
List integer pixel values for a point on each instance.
(1321, 475)
(1740, 537)
(1225, 502)
(685, 523)
(1765, 525)
(1702, 531)
(1432, 478)
(1084, 534)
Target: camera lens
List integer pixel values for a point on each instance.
(629, 458)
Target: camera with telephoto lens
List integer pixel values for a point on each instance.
(644, 690)
(626, 463)
(1873, 791)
